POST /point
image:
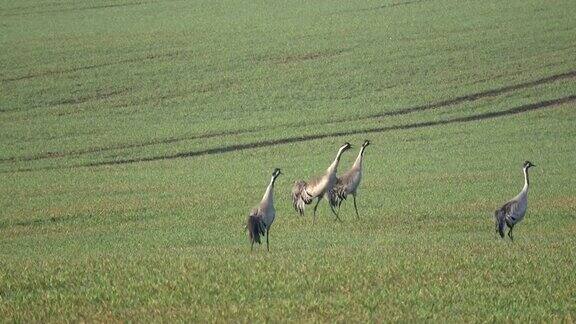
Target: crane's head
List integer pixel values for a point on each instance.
(345, 146)
(276, 173)
(366, 143)
(527, 165)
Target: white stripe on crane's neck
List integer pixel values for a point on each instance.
(526, 180)
(269, 194)
(360, 158)
(334, 165)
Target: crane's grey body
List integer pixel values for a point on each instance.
(303, 193)
(261, 217)
(513, 212)
(349, 182)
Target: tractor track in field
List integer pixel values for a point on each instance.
(392, 5)
(26, 13)
(447, 103)
(100, 94)
(90, 67)
(440, 104)
(49, 155)
(386, 6)
(467, 98)
(296, 139)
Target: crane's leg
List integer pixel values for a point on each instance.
(334, 212)
(267, 243)
(251, 246)
(510, 233)
(356, 208)
(315, 207)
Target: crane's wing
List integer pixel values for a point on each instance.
(300, 197)
(510, 208)
(314, 184)
(347, 179)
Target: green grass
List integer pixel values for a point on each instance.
(109, 210)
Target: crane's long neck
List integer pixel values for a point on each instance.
(269, 194)
(358, 162)
(526, 180)
(334, 166)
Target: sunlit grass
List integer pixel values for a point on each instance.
(161, 238)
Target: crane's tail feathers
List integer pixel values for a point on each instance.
(501, 220)
(336, 195)
(256, 228)
(300, 198)
(333, 198)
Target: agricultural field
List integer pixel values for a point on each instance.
(135, 137)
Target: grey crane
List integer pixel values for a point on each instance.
(512, 212)
(262, 216)
(303, 193)
(348, 183)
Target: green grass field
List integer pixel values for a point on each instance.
(135, 137)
